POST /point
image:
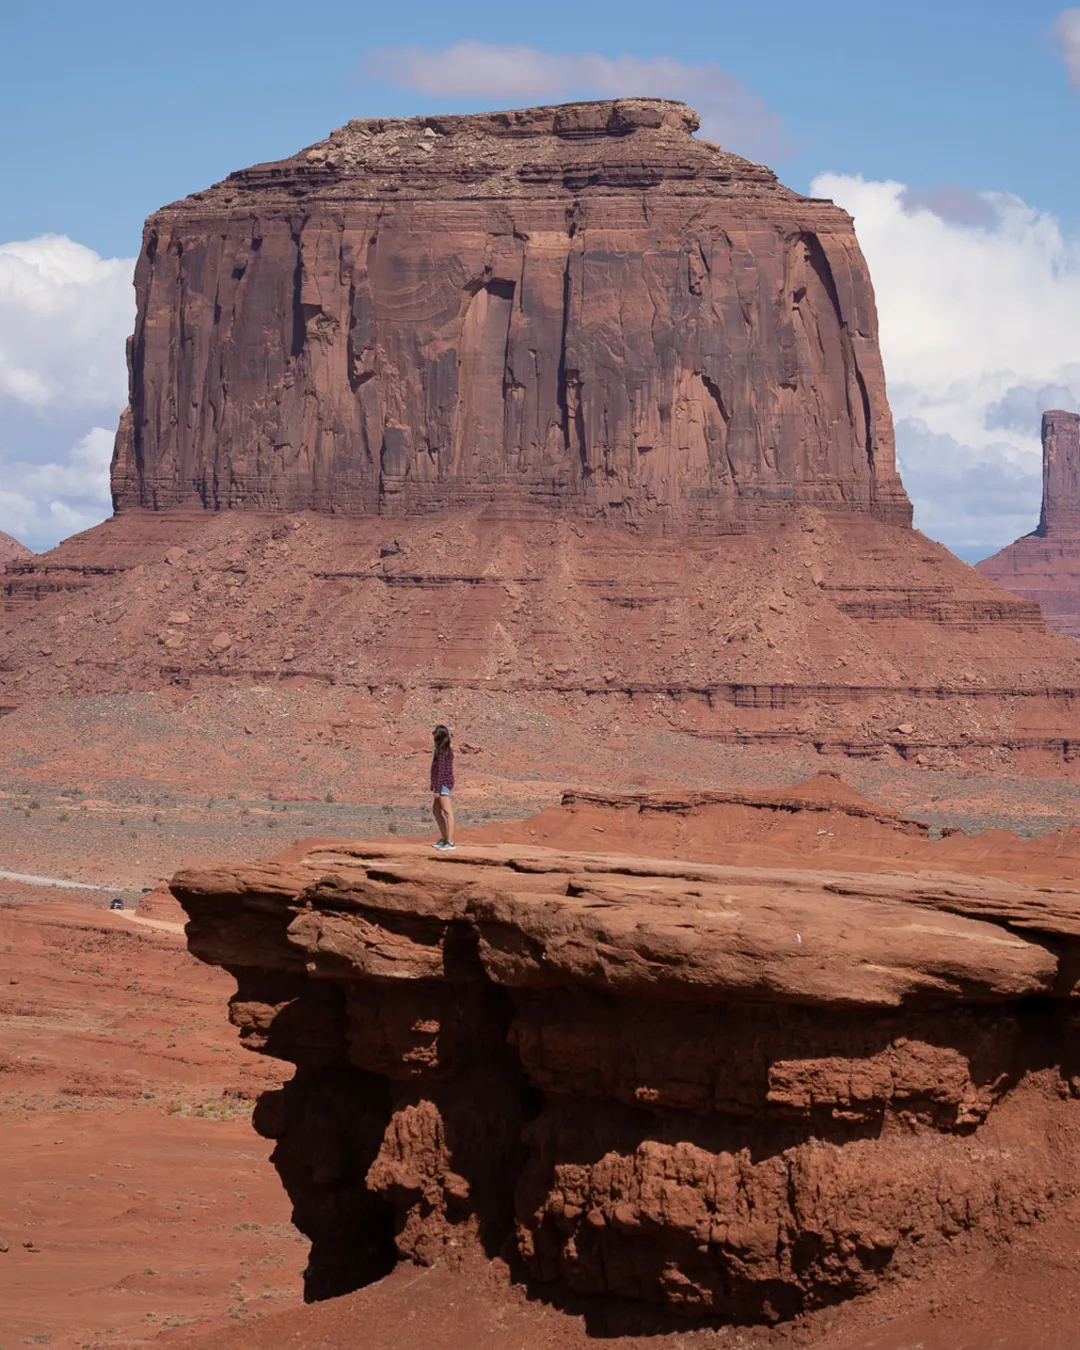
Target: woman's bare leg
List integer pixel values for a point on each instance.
(440, 817)
(448, 813)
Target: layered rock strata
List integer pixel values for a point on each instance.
(846, 637)
(581, 307)
(1044, 566)
(726, 1091)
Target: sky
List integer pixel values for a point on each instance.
(945, 128)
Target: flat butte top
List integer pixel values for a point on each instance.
(565, 150)
(633, 926)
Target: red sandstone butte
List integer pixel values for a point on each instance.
(1044, 566)
(502, 362)
(581, 306)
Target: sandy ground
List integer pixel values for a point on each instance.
(134, 1194)
(1025, 1298)
(137, 1203)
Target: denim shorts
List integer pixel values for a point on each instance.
(444, 792)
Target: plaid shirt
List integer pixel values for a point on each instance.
(442, 770)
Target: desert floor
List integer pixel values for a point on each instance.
(137, 1204)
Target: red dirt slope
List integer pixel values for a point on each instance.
(1025, 1298)
(822, 822)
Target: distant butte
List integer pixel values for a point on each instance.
(1044, 566)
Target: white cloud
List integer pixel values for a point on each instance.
(976, 500)
(41, 503)
(65, 313)
(1067, 32)
(978, 328)
(62, 310)
(517, 75)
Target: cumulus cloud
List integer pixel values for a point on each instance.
(473, 70)
(41, 503)
(1022, 407)
(61, 308)
(979, 334)
(975, 500)
(1067, 32)
(65, 313)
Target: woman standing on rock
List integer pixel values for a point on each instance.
(442, 785)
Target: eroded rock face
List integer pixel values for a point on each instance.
(580, 307)
(11, 551)
(726, 1091)
(1044, 566)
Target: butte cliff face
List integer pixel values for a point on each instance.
(577, 306)
(726, 1091)
(1044, 566)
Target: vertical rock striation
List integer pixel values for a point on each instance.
(1061, 473)
(579, 306)
(1044, 566)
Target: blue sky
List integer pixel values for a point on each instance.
(111, 110)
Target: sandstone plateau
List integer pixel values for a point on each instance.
(1044, 566)
(705, 1088)
(570, 430)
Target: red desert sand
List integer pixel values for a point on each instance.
(125, 1061)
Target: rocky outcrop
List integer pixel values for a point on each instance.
(11, 551)
(727, 1091)
(579, 307)
(1044, 566)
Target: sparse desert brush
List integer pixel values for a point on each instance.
(35, 805)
